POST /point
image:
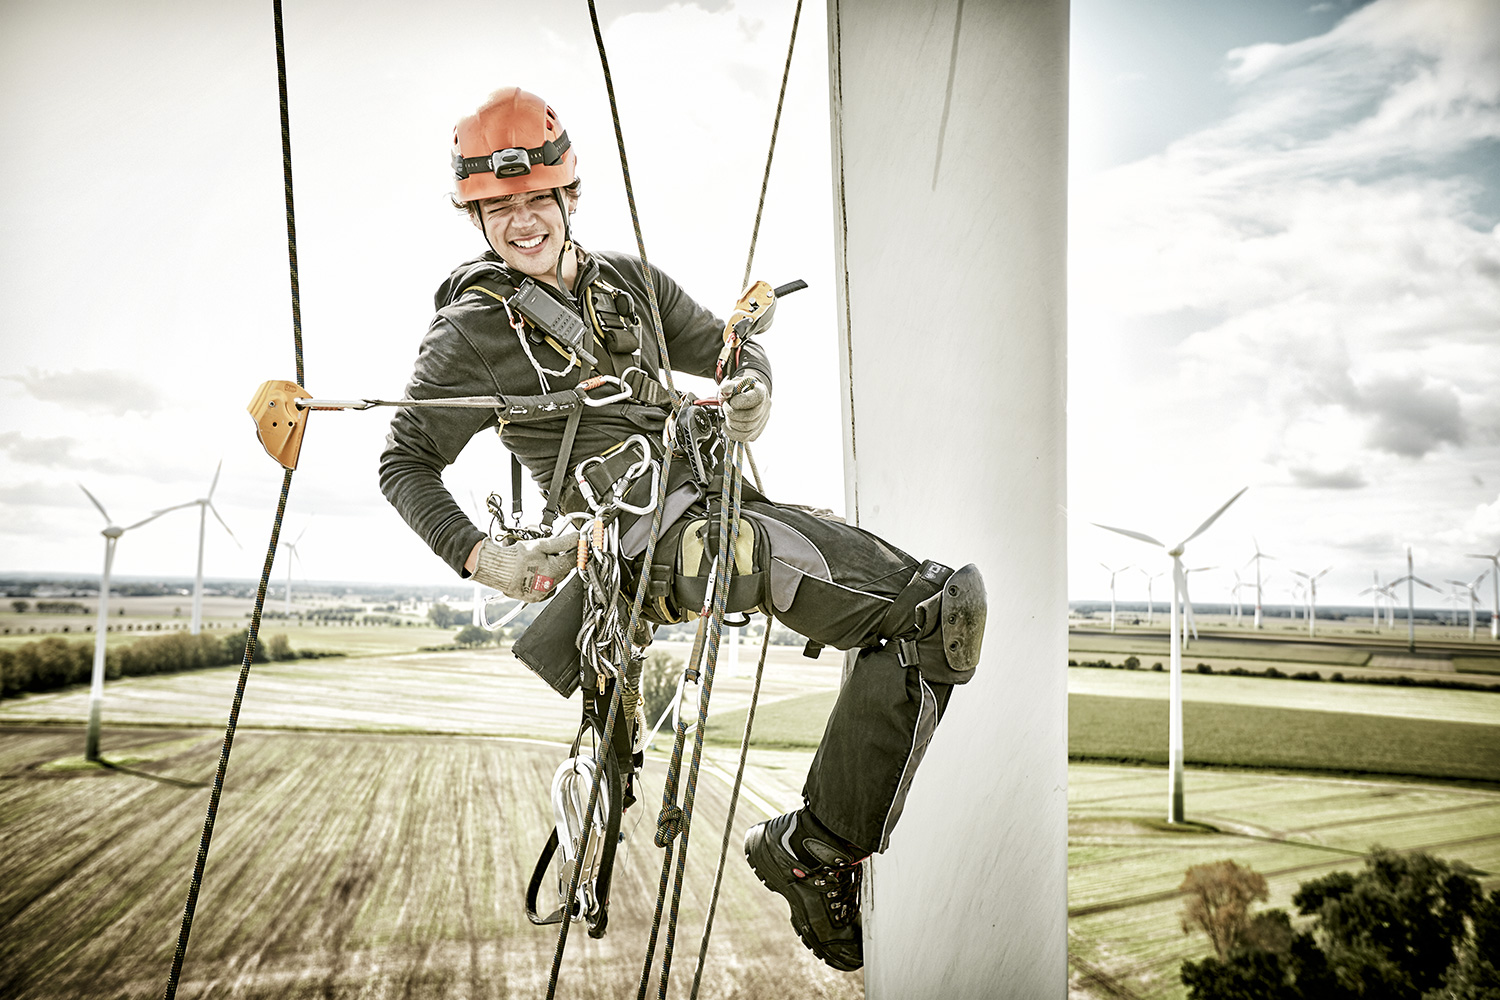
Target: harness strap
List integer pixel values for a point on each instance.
(560, 470)
(900, 622)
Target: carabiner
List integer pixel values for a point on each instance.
(584, 387)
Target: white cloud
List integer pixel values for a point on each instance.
(1306, 294)
(97, 391)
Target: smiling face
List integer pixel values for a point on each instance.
(527, 231)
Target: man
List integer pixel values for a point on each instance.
(917, 624)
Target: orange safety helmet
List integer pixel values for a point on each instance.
(512, 143)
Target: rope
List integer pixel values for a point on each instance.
(765, 179)
(734, 798)
(635, 218)
(605, 745)
(265, 576)
(729, 529)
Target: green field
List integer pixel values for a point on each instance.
(1135, 729)
(357, 855)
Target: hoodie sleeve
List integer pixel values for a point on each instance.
(424, 441)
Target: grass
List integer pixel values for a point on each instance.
(1134, 729)
(788, 724)
(1216, 649)
(1364, 699)
(1477, 664)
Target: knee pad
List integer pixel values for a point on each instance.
(937, 622)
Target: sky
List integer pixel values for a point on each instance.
(1284, 265)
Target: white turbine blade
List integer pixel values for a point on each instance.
(215, 511)
(107, 518)
(299, 537)
(1300, 573)
(168, 510)
(1321, 572)
(1418, 579)
(1130, 534)
(149, 519)
(1213, 517)
(214, 485)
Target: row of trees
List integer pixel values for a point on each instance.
(53, 663)
(1407, 927)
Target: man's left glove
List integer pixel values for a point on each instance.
(529, 569)
(746, 405)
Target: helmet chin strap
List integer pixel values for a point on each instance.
(567, 247)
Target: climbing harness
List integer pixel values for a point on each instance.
(589, 791)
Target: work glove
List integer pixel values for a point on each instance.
(527, 569)
(746, 405)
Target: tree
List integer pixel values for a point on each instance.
(443, 616)
(471, 635)
(1392, 930)
(1407, 927)
(20, 607)
(1218, 904)
(659, 675)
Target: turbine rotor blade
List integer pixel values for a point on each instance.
(213, 485)
(221, 521)
(1213, 517)
(1130, 534)
(107, 518)
(149, 519)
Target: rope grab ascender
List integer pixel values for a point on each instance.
(610, 645)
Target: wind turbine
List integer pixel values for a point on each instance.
(1234, 594)
(1473, 596)
(292, 547)
(1312, 598)
(1174, 715)
(1112, 574)
(205, 504)
(1150, 607)
(1409, 579)
(1259, 555)
(1495, 587)
(111, 533)
(1375, 591)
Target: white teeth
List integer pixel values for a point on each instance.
(527, 244)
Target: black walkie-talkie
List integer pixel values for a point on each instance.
(549, 316)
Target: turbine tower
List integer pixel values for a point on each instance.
(1150, 606)
(1259, 555)
(293, 556)
(1179, 587)
(1409, 579)
(1495, 590)
(1312, 598)
(1112, 574)
(1375, 590)
(204, 504)
(111, 533)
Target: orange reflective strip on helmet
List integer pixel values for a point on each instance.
(512, 144)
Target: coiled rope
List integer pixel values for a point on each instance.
(265, 575)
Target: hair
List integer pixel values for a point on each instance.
(471, 208)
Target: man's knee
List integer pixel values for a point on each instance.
(937, 622)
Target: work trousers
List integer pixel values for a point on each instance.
(834, 583)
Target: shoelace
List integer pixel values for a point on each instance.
(840, 886)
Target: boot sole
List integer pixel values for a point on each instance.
(770, 877)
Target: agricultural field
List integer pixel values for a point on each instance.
(383, 810)
(357, 854)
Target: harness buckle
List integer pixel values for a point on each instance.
(615, 493)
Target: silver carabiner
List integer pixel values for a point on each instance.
(622, 390)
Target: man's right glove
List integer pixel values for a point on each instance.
(529, 569)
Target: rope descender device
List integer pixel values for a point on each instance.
(279, 420)
(755, 303)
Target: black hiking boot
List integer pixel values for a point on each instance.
(819, 874)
